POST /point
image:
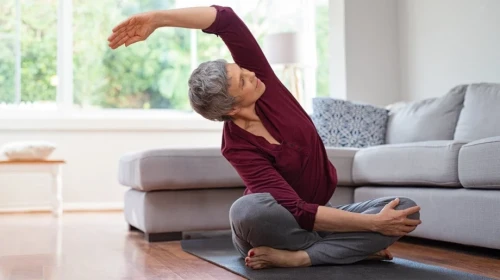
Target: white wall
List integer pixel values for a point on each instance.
(372, 53)
(92, 149)
(364, 51)
(447, 42)
(390, 50)
(337, 49)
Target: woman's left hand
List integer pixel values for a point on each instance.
(392, 222)
(134, 29)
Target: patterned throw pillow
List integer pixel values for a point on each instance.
(342, 123)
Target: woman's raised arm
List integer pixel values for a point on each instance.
(221, 21)
(139, 26)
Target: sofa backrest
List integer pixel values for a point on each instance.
(480, 116)
(426, 120)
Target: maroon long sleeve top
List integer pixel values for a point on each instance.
(297, 172)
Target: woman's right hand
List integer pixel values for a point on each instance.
(134, 29)
(392, 222)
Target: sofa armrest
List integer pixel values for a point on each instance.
(342, 158)
(174, 169)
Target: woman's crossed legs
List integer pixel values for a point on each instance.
(267, 234)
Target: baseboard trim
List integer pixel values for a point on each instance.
(67, 207)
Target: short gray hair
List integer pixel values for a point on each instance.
(208, 91)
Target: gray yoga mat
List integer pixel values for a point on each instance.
(220, 251)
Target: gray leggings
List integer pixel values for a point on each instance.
(258, 220)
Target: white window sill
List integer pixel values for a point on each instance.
(109, 120)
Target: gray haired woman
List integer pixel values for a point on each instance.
(284, 218)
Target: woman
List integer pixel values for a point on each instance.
(284, 218)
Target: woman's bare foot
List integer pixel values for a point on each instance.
(381, 256)
(263, 257)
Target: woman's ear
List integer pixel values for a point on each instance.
(234, 111)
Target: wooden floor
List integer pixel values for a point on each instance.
(99, 246)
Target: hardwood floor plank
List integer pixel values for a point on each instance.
(466, 259)
(99, 246)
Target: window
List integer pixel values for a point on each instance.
(28, 48)
(322, 28)
(148, 75)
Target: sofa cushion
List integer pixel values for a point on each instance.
(426, 120)
(342, 123)
(171, 169)
(431, 163)
(479, 164)
(342, 159)
(174, 169)
(480, 115)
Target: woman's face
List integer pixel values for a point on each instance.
(244, 85)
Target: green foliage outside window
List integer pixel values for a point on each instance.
(150, 74)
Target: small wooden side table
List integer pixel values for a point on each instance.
(52, 167)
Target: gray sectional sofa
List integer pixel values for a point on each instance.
(444, 153)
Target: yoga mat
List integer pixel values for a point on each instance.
(220, 251)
